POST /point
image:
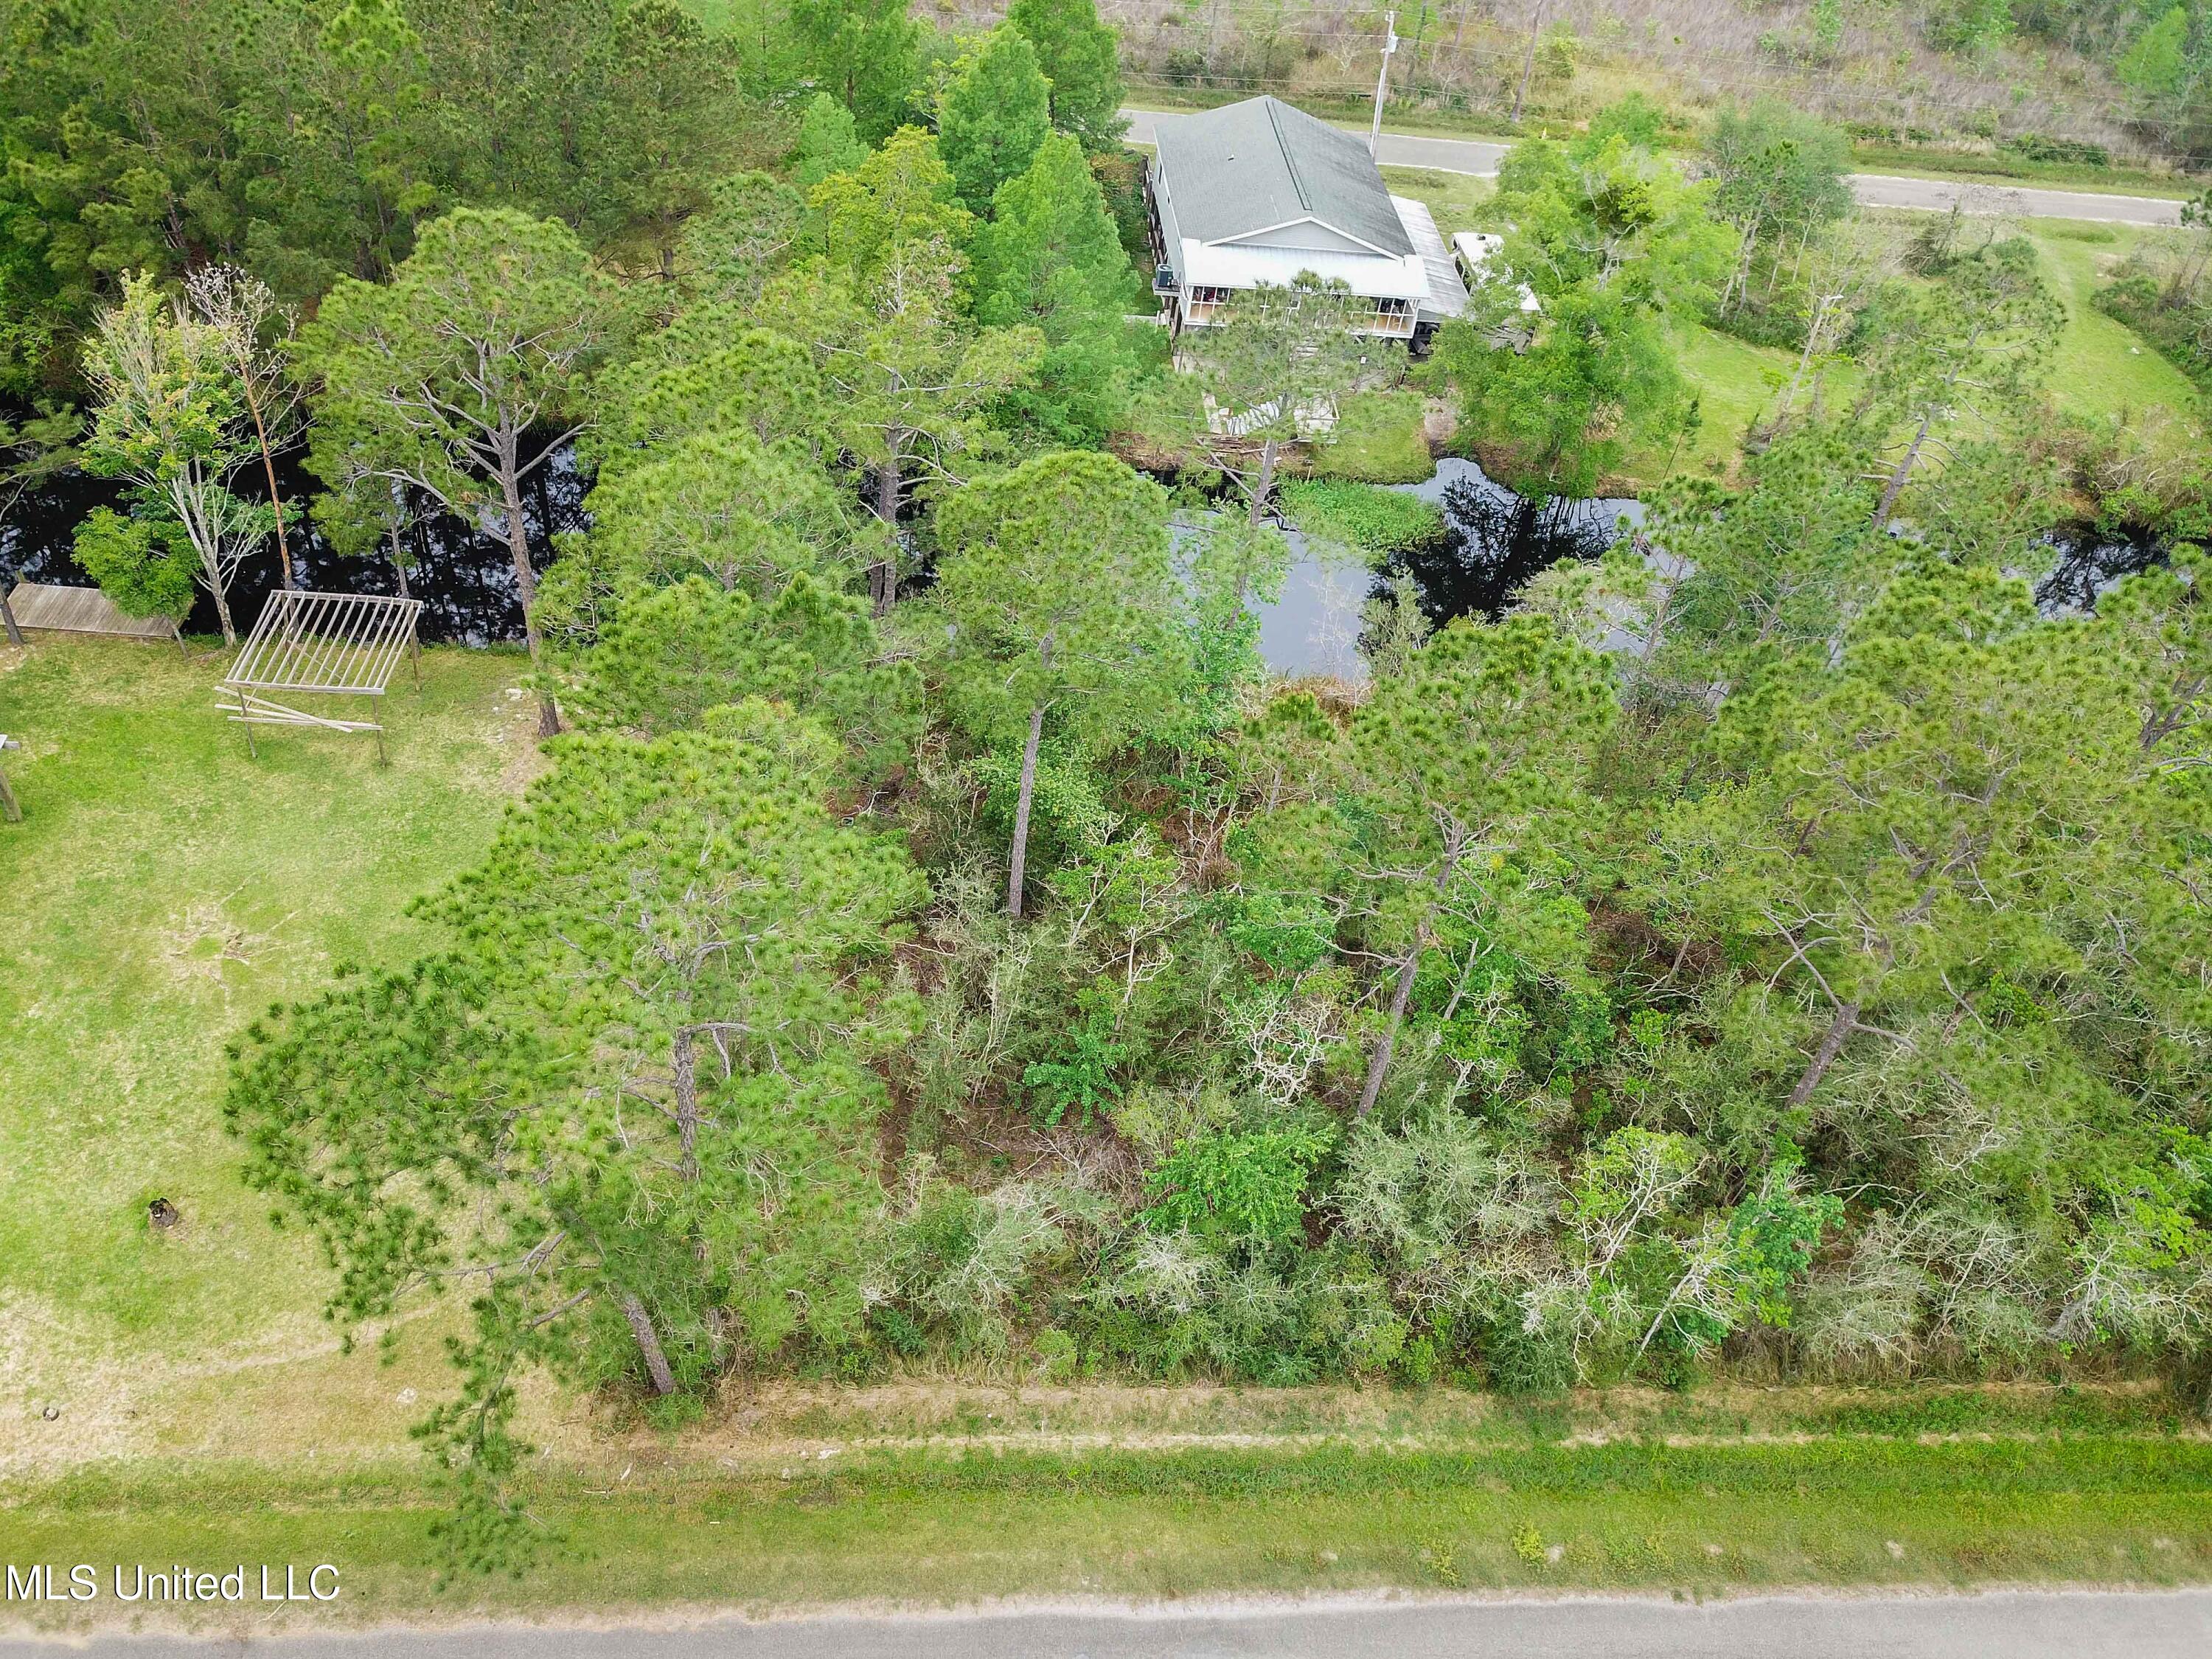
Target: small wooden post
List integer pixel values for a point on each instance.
(10, 809)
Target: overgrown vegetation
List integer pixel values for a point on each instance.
(937, 942)
(2165, 293)
(1361, 516)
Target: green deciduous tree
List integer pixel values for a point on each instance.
(1079, 56)
(865, 53)
(829, 142)
(1777, 175)
(253, 334)
(135, 565)
(173, 422)
(1057, 581)
(993, 115)
(902, 196)
(450, 374)
(1612, 241)
(1052, 258)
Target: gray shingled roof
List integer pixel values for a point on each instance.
(1245, 167)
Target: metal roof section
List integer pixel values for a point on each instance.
(1474, 249)
(1262, 166)
(1447, 295)
(1233, 265)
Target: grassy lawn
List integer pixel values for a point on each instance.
(1458, 200)
(163, 889)
(2103, 367)
(1377, 439)
(1513, 1508)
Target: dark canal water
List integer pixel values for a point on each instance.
(1492, 543)
(464, 575)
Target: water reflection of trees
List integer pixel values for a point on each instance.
(462, 574)
(2087, 562)
(1494, 541)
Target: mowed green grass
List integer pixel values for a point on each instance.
(2102, 370)
(163, 889)
(2103, 367)
(923, 1529)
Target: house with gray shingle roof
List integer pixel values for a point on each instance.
(1261, 192)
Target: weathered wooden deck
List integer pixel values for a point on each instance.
(81, 611)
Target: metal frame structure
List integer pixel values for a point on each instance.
(340, 644)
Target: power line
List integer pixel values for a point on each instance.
(1895, 106)
(1767, 73)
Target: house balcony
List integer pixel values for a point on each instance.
(1391, 319)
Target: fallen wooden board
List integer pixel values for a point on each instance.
(81, 611)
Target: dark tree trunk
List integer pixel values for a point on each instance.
(1832, 1045)
(526, 577)
(1379, 1067)
(269, 472)
(1408, 971)
(8, 612)
(1268, 455)
(1896, 486)
(648, 1343)
(1528, 64)
(686, 1079)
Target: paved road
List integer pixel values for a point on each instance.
(1470, 156)
(2041, 1626)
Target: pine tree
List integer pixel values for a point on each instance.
(1064, 603)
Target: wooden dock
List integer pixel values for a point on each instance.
(81, 611)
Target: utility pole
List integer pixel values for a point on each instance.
(1382, 81)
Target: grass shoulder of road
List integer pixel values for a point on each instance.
(1511, 1509)
(2010, 172)
(163, 887)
